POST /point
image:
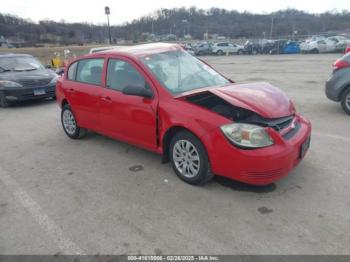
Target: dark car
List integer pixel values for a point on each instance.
(252, 48)
(203, 49)
(22, 77)
(338, 85)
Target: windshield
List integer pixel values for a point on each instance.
(19, 63)
(179, 72)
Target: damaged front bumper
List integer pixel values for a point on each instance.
(260, 166)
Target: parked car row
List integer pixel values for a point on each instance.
(316, 44)
(251, 47)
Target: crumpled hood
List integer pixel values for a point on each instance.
(262, 98)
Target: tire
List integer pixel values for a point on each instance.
(240, 52)
(182, 145)
(345, 101)
(200, 53)
(69, 124)
(220, 52)
(315, 51)
(3, 102)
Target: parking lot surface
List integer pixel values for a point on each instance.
(97, 195)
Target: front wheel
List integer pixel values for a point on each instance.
(189, 158)
(70, 125)
(345, 101)
(220, 52)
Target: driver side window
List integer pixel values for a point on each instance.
(121, 74)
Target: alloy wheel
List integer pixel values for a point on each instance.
(69, 122)
(186, 158)
(347, 101)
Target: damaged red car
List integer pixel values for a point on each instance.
(161, 98)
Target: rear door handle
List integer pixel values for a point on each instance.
(71, 90)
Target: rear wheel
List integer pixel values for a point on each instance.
(189, 158)
(70, 125)
(345, 101)
(315, 51)
(3, 102)
(220, 52)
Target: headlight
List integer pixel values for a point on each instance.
(5, 83)
(247, 135)
(54, 80)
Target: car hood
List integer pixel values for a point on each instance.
(261, 98)
(27, 75)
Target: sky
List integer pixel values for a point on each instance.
(125, 11)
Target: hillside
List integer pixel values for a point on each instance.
(180, 21)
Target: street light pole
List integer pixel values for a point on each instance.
(152, 26)
(271, 27)
(108, 12)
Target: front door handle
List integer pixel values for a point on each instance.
(106, 99)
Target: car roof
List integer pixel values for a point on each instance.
(102, 48)
(143, 50)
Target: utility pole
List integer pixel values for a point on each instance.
(271, 27)
(152, 26)
(108, 12)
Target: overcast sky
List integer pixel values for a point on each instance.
(127, 10)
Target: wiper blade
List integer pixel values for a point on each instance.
(25, 69)
(4, 69)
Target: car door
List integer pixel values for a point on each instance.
(126, 117)
(83, 89)
(225, 47)
(322, 46)
(232, 48)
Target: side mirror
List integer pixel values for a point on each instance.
(137, 91)
(60, 72)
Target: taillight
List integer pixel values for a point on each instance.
(340, 64)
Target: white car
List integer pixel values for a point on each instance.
(341, 41)
(225, 47)
(320, 46)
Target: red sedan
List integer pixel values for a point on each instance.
(159, 97)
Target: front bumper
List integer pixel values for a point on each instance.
(29, 93)
(258, 166)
